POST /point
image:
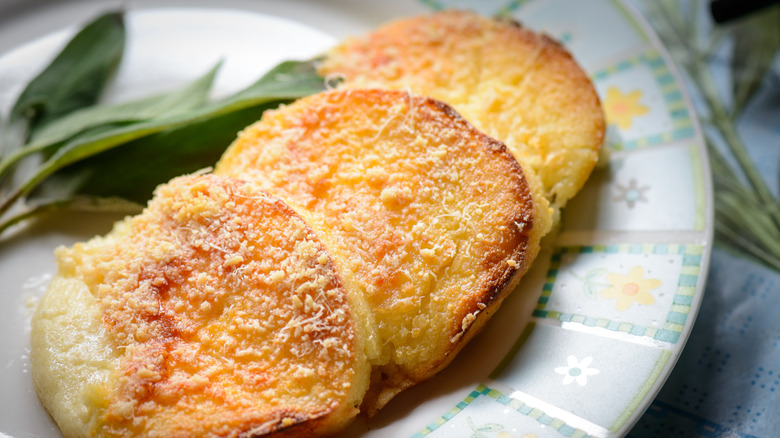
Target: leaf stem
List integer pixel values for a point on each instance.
(18, 154)
(9, 201)
(15, 219)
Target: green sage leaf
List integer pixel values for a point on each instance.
(57, 132)
(73, 80)
(289, 80)
(181, 101)
(133, 170)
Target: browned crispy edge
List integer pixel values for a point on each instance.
(559, 56)
(482, 305)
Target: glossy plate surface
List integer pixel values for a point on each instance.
(583, 345)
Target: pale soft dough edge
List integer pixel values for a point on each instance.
(72, 358)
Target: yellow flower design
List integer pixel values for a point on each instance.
(621, 108)
(627, 289)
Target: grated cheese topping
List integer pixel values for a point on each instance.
(517, 86)
(229, 313)
(416, 204)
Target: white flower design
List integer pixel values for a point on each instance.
(631, 194)
(577, 370)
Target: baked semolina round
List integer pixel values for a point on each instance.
(215, 312)
(518, 86)
(432, 219)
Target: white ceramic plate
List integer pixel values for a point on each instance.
(594, 329)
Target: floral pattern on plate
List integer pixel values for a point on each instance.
(642, 290)
(653, 189)
(643, 103)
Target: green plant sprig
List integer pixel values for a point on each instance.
(108, 156)
(743, 200)
(73, 80)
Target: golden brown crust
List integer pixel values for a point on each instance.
(218, 311)
(430, 217)
(227, 315)
(523, 88)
